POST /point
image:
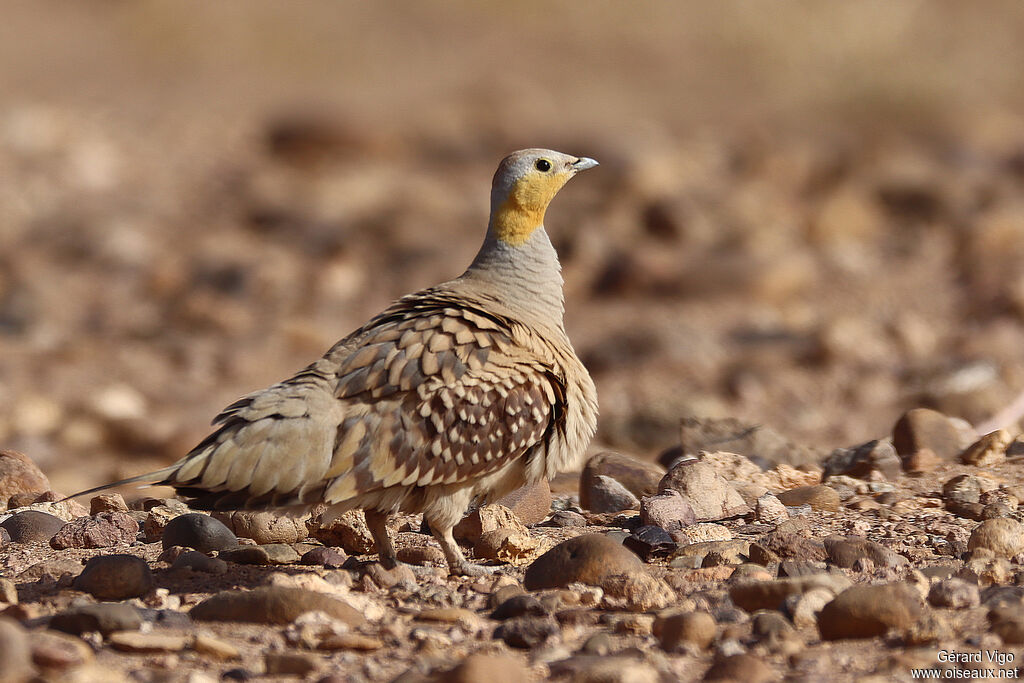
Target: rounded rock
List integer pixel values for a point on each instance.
(820, 497)
(115, 577)
(668, 510)
(605, 494)
(272, 605)
(954, 593)
(585, 559)
(104, 617)
(1003, 536)
(32, 526)
(200, 532)
(707, 492)
(638, 477)
(693, 628)
(15, 652)
(869, 611)
(531, 503)
(263, 526)
(921, 428)
(18, 474)
(493, 668)
(740, 667)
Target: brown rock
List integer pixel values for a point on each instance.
(698, 435)
(954, 593)
(1007, 621)
(104, 530)
(988, 450)
(18, 474)
(531, 504)
(638, 590)
(332, 558)
(56, 652)
(348, 532)
(768, 509)
(637, 476)
(107, 502)
(925, 428)
(585, 559)
(272, 605)
(605, 494)
(1003, 536)
(505, 545)
(710, 496)
(844, 551)
(823, 498)
(488, 518)
(104, 617)
(788, 545)
(160, 516)
(15, 652)
(214, 647)
(868, 611)
(290, 663)
(874, 458)
(493, 668)
(742, 667)
(350, 641)
(527, 632)
(693, 628)
(115, 577)
(922, 460)
(421, 555)
(668, 510)
(754, 595)
(133, 641)
(264, 526)
(32, 526)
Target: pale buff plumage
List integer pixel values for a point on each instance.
(461, 392)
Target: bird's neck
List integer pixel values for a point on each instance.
(525, 277)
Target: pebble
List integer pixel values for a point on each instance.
(504, 545)
(214, 647)
(104, 617)
(768, 509)
(488, 518)
(783, 545)
(104, 530)
(605, 494)
(954, 593)
(1007, 621)
(56, 653)
(527, 632)
(1003, 536)
(261, 555)
(639, 477)
(348, 532)
(198, 531)
(668, 510)
(710, 496)
(740, 667)
(702, 533)
(772, 626)
(650, 542)
(585, 559)
(200, 562)
(422, 555)
(272, 605)
(519, 605)
(803, 608)
(869, 611)
(876, 458)
(148, 643)
(331, 558)
(159, 516)
(15, 652)
(350, 641)
(988, 450)
(107, 502)
(603, 669)
(822, 498)
(115, 577)
(636, 591)
(846, 551)
(566, 519)
(18, 474)
(264, 526)
(531, 503)
(32, 526)
(290, 663)
(921, 428)
(754, 595)
(691, 628)
(493, 668)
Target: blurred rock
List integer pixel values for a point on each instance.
(869, 611)
(693, 628)
(488, 518)
(272, 605)
(1003, 536)
(348, 532)
(531, 504)
(605, 494)
(922, 428)
(638, 477)
(734, 436)
(709, 495)
(862, 461)
(15, 652)
(18, 474)
(32, 526)
(264, 526)
(115, 577)
(583, 559)
(819, 497)
(105, 618)
(845, 551)
(744, 667)
(988, 450)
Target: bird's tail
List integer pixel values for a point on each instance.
(156, 478)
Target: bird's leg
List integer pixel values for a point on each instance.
(377, 523)
(457, 562)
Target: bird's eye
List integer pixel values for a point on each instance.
(543, 165)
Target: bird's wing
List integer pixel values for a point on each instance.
(427, 393)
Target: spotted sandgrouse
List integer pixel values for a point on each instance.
(458, 393)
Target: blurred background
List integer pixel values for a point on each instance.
(807, 215)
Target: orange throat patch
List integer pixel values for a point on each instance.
(523, 210)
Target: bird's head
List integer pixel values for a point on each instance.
(524, 184)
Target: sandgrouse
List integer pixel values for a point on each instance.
(458, 393)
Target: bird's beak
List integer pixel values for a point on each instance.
(582, 164)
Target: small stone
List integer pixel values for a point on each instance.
(290, 663)
(521, 605)
(710, 496)
(803, 608)
(768, 509)
(605, 494)
(107, 502)
(649, 542)
(755, 595)
(700, 434)
(789, 545)
(822, 498)
(638, 591)
(702, 533)
(214, 647)
(104, 617)
(954, 593)
(56, 652)
(488, 518)
(348, 532)
(668, 510)
(638, 477)
(247, 554)
(921, 460)
(18, 474)
(280, 553)
(32, 526)
(872, 459)
(530, 504)
(386, 578)
(148, 643)
(1003, 536)
(200, 562)
(584, 559)
(15, 652)
(740, 667)
(159, 516)
(350, 641)
(422, 555)
(272, 605)
(691, 628)
(198, 531)
(869, 611)
(565, 519)
(925, 428)
(504, 545)
(988, 450)
(771, 626)
(493, 668)
(929, 629)
(1007, 622)
(264, 526)
(331, 558)
(603, 669)
(105, 530)
(115, 577)
(527, 632)
(844, 551)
